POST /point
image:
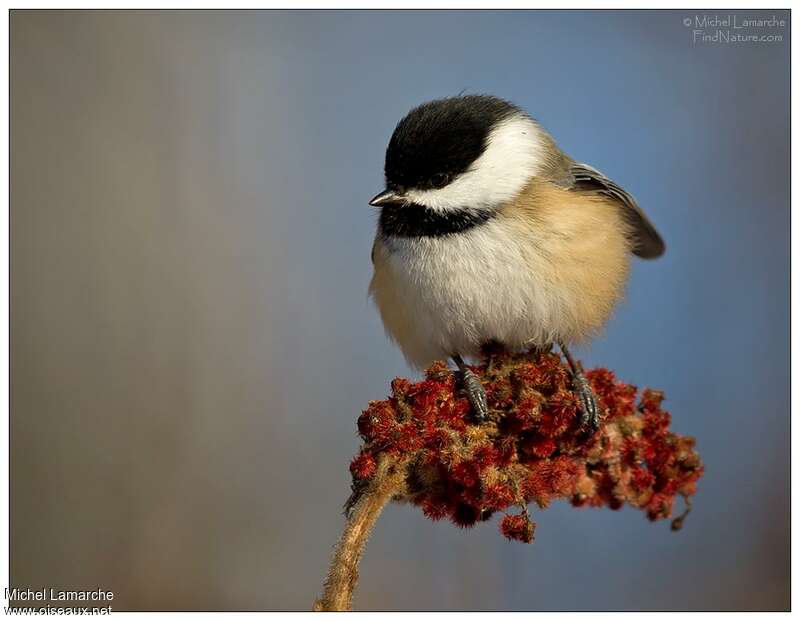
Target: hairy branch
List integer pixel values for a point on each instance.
(367, 507)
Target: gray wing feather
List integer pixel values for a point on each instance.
(648, 243)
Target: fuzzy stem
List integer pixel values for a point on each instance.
(343, 572)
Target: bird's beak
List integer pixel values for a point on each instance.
(388, 198)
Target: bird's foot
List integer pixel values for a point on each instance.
(587, 401)
(476, 395)
(588, 409)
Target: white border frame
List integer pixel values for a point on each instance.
(357, 4)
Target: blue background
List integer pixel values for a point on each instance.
(192, 342)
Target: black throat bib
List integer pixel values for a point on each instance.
(414, 220)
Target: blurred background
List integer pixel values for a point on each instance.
(191, 339)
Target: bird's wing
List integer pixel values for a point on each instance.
(648, 243)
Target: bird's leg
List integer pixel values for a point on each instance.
(475, 392)
(587, 402)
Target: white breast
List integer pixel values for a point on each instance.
(440, 296)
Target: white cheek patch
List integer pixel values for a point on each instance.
(513, 155)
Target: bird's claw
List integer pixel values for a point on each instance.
(587, 404)
(476, 395)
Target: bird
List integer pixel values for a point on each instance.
(488, 232)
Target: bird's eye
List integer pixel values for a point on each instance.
(439, 180)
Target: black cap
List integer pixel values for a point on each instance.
(439, 140)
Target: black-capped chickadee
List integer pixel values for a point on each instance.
(489, 232)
